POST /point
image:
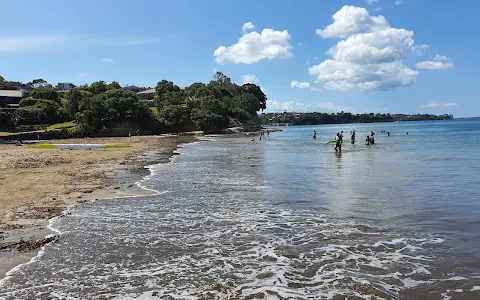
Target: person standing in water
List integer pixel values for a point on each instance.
(338, 143)
(352, 137)
(314, 134)
(372, 138)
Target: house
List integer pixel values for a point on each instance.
(147, 94)
(10, 98)
(65, 86)
(134, 88)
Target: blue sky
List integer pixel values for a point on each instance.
(410, 56)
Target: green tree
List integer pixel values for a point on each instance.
(256, 91)
(219, 77)
(114, 85)
(75, 97)
(42, 93)
(36, 83)
(98, 87)
(163, 88)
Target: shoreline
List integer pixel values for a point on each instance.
(83, 176)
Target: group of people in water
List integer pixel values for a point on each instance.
(370, 140)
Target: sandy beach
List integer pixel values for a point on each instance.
(38, 184)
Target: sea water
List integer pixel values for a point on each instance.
(285, 217)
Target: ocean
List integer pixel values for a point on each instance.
(284, 217)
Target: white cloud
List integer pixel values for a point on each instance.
(351, 20)
(377, 9)
(250, 79)
(447, 104)
(264, 90)
(441, 58)
(370, 2)
(434, 65)
(370, 55)
(247, 27)
(314, 89)
(277, 106)
(398, 2)
(108, 60)
(253, 47)
(373, 47)
(300, 85)
(344, 76)
(42, 42)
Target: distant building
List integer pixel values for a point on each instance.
(65, 86)
(134, 88)
(147, 94)
(10, 97)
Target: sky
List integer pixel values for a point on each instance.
(396, 56)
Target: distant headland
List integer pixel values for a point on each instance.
(317, 118)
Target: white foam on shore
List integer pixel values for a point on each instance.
(53, 221)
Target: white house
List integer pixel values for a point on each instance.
(65, 85)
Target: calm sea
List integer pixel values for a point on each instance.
(282, 218)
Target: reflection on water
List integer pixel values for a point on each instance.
(282, 218)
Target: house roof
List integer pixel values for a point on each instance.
(10, 93)
(149, 91)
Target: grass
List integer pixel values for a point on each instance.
(154, 111)
(53, 127)
(42, 146)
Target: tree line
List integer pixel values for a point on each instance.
(97, 107)
(342, 118)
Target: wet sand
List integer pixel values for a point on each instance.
(38, 184)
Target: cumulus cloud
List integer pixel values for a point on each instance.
(398, 2)
(434, 65)
(344, 76)
(369, 55)
(292, 106)
(370, 2)
(441, 58)
(108, 60)
(253, 47)
(247, 27)
(447, 104)
(250, 79)
(351, 20)
(300, 85)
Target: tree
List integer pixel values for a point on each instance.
(164, 87)
(75, 97)
(42, 93)
(2, 80)
(257, 92)
(173, 115)
(221, 78)
(36, 83)
(114, 85)
(98, 87)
